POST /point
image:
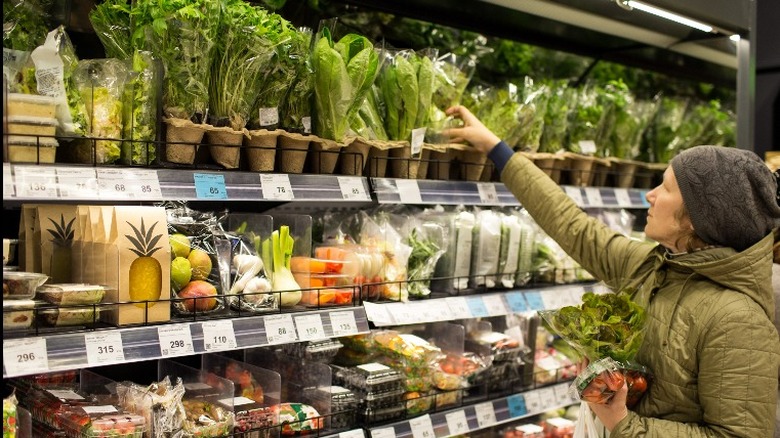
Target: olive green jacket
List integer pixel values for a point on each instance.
(709, 342)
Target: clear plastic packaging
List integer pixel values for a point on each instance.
(64, 294)
(31, 105)
(315, 351)
(21, 285)
(247, 272)
(370, 377)
(18, 314)
(31, 125)
(299, 419)
(599, 382)
(343, 406)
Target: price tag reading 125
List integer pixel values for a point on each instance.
(279, 329)
(343, 323)
(104, 348)
(210, 186)
(25, 356)
(175, 340)
(218, 335)
(276, 187)
(309, 327)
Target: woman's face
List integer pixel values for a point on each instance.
(663, 225)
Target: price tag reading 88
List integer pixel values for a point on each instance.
(279, 329)
(352, 188)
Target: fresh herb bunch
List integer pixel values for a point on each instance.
(556, 117)
(663, 129)
(422, 262)
(111, 21)
(140, 110)
(605, 325)
(296, 105)
(400, 91)
(24, 24)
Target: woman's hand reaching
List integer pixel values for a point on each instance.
(472, 131)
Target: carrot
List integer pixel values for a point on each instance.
(307, 264)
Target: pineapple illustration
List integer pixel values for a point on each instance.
(145, 279)
(61, 255)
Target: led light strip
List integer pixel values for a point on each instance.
(669, 16)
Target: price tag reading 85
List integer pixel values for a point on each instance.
(309, 327)
(352, 188)
(343, 323)
(128, 184)
(25, 356)
(279, 329)
(487, 193)
(422, 427)
(457, 422)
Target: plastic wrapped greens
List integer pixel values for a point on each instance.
(111, 21)
(296, 107)
(528, 131)
(400, 92)
(452, 75)
(454, 265)
(484, 257)
(663, 129)
(24, 29)
(140, 110)
(509, 251)
(586, 121)
(556, 118)
(525, 258)
(428, 241)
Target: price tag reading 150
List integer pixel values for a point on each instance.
(279, 329)
(309, 327)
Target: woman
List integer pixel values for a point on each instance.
(710, 341)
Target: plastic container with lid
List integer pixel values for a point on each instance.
(69, 316)
(32, 125)
(21, 285)
(9, 250)
(20, 104)
(18, 314)
(315, 351)
(31, 149)
(372, 416)
(343, 406)
(97, 421)
(71, 293)
(370, 377)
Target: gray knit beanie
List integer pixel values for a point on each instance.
(730, 194)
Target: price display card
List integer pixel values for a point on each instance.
(356, 433)
(418, 136)
(495, 305)
(175, 340)
(309, 327)
(35, 182)
(353, 189)
(78, 183)
(486, 415)
(210, 186)
(562, 394)
(408, 191)
(594, 196)
(422, 427)
(459, 307)
(343, 323)
(8, 182)
(553, 299)
(279, 329)
(576, 195)
(477, 307)
(25, 356)
(516, 405)
(457, 424)
(487, 193)
(276, 187)
(218, 335)
(385, 432)
(547, 397)
(104, 348)
(402, 313)
(129, 184)
(377, 313)
(623, 198)
(534, 300)
(533, 402)
(516, 302)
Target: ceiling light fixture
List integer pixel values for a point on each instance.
(735, 37)
(668, 15)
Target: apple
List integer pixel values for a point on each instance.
(205, 293)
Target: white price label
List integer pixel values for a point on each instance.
(487, 193)
(376, 313)
(385, 432)
(8, 182)
(459, 307)
(268, 116)
(356, 433)
(218, 335)
(495, 305)
(236, 401)
(128, 184)
(309, 327)
(279, 329)
(408, 191)
(623, 198)
(418, 136)
(562, 395)
(35, 182)
(422, 427)
(175, 340)
(457, 422)
(77, 183)
(587, 147)
(104, 409)
(533, 402)
(276, 187)
(104, 348)
(402, 314)
(547, 397)
(594, 196)
(65, 394)
(343, 323)
(575, 194)
(352, 188)
(552, 299)
(25, 356)
(486, 415)
(306, 122)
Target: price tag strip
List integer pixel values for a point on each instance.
(594, 197)
(353, 189)
(576, 195)
(356, 433)
(457, 424)
(623, 198)
(8, 182)
(516, 302)
(210, 186)
(78, 183)
(486, 414)
(408, 191)
(276, 187)
(422, 427)
(547, 397)
(516, 405)
(128, 184)
(376, 313)
(25, 356)
(385, 432)
(279, 329)
(495, 305)
(175, 340)
(104, 348)
(477, 307)
(309, 327)
(459, 307)
(533, 402)
(343, 323)
(487, 193)
(35, 182)
(218, 335)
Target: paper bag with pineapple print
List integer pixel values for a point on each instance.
(29, 241)
(56, 223)
(93, 269)
(138, 261)
(79, 231)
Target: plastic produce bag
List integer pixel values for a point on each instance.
(378, 235)
(428, 241)
(528, 232)
(250, 286)
(140, 110)
(452, 74)
(455, 264)
(511, 234)
(586, 424)
(484, 257)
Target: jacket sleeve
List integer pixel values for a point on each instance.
(606, 254)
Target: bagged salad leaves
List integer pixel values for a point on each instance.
(662, 131)
(428, 241)
(586, 121)
(296, 107)
(400, 90)
(369, 120)
(140, 109)
(111, 21)
(452, 74)
(509, 251)
(454, 265)
(24, 28)
(528, 232)
(556, 117)
(484, 257)
(530, 125)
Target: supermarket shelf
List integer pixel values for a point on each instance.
(394, 191)
(68, 351)
(38, 182)
(481, 415)
(354, 433)
(476, 306)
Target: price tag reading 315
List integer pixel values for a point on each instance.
(25, 356)
(104, 348)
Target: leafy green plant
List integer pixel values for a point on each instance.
(400, 92)
(140, 110)
(111, 21)
(24, 24)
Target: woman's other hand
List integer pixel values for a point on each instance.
(472, 131)
(614, 410)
